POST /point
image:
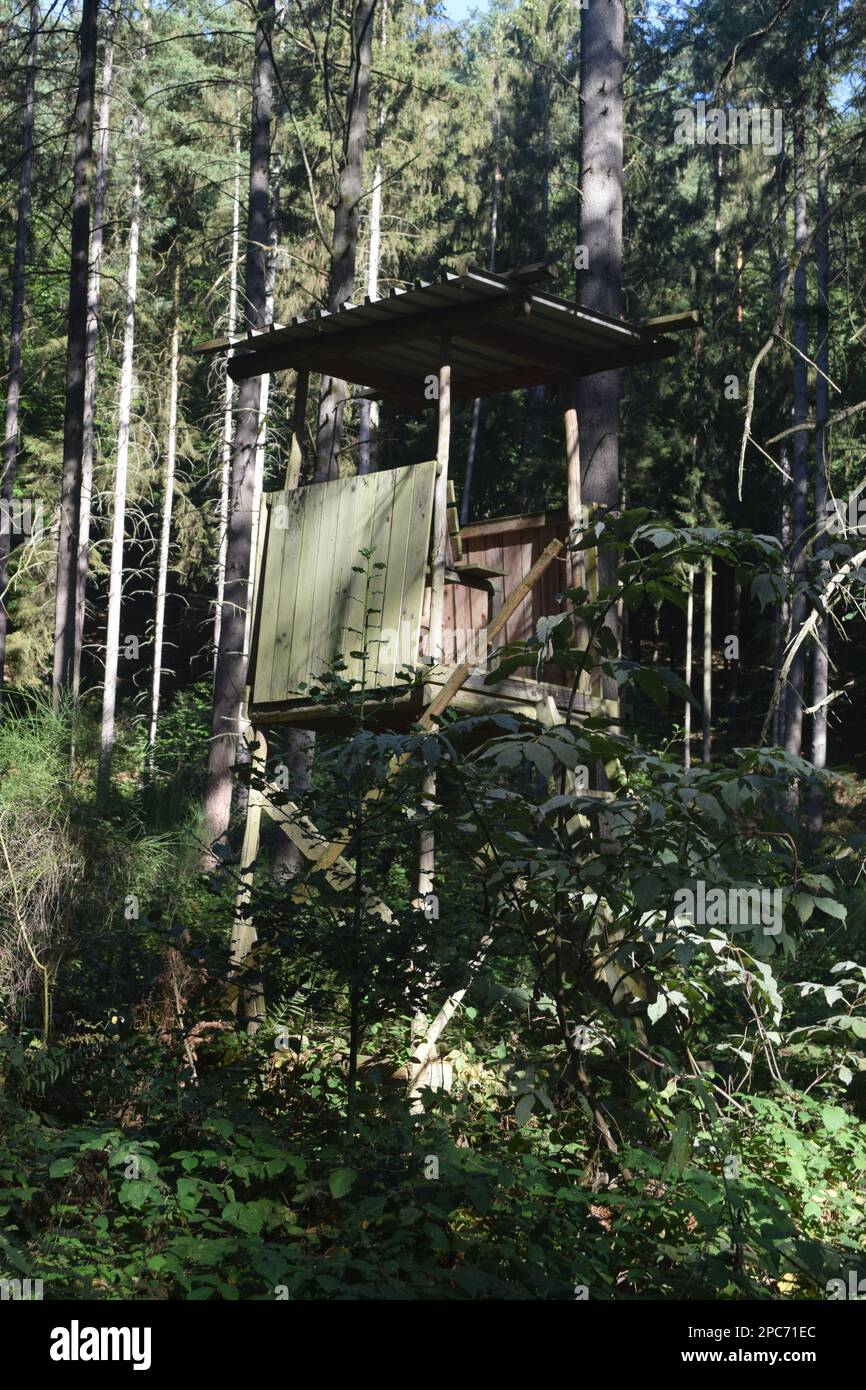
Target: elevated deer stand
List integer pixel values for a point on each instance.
(444, 597)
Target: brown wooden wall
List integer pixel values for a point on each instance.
(512, 544)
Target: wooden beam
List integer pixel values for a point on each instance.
(313, 844)
(529, 351)
(454, 524)
(256, 615)
(506, 525)
(533, 273)
(675, 323)
(438, 561)
(439, 542)
(529, 375)
(576, 522)
(355, 370)
(250, 996)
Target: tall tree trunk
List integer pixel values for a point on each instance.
(264, 402)
(16, 330)
(820, 657)
(299, 745)
(368, 422)
(690, 627)
(599, 284)
(718, 185)
(76, 353)
(466, 499)
(799, 448)
(344, 246)
(782, 627)
(707, 719)
(228, 417)
(230, 673)
(165, 528)
(734, 662)
(243, 748)
(782, 615)
(97, 237)
(118, 515)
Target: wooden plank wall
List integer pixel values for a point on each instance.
(309, 594)
(512, 544)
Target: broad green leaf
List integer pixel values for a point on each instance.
(341, 1181)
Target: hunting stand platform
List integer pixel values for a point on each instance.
(443, 594)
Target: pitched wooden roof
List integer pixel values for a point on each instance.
(502, 334)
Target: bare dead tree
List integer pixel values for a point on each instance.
(230, 674)
(16, 328)
(76, 356)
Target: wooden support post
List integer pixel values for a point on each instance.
(576, 518)
(440, 511)
(426, 845)
(251, 996)
(299, 415)
(690, 622)
(454, 524)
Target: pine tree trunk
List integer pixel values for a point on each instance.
(264, 402)
(600, 231)
(243, 748)
(76, 353)
(690, 627)
(599, 284)
(734, 667)
(718, 185)
(118, 515)
(466, 499)
(344, 246)
(369, 413)
(230, 675)
(165, 528)
(228, 421)
(782, 626)
(781, 617)
(820, 658)
(799, 448)
(93, 296)
(299, 746)
(707, 713)
(16, 330)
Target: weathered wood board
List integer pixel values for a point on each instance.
(310, 599)
(510, 544)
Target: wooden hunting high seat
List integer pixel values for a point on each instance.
(314, 587)
(463, 337)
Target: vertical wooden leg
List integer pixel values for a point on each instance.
(250, 1002)
(426, 845)
(424, 888)
(438, 556)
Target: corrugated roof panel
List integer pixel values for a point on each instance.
(543, 327)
